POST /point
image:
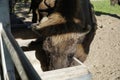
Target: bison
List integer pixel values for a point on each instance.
(68, 32)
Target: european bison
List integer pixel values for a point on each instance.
(68, 32)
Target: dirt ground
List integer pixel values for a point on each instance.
(103, 59)
(104, 56)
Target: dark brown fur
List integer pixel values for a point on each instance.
(61, 45)
(63, 33)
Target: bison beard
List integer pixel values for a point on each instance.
(63, 33)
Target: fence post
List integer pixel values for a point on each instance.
(4, 13)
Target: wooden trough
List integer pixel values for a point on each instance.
(13, 59)
(25, 69)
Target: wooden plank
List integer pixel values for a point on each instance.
(14, 56)
(78, 72)
(71, 73)
(9, 63)
(4, 13)
(4, 19)
(4, 66)
(35, 62)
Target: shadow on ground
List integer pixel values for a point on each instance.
(98, 13)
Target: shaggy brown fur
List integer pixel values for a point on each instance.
(63, 33)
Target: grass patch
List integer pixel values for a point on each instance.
(104, 6)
